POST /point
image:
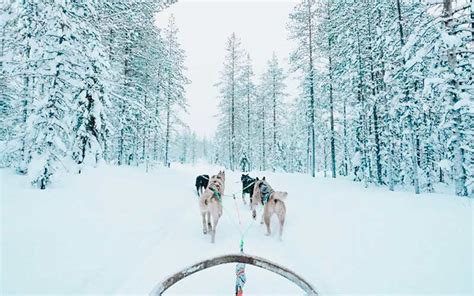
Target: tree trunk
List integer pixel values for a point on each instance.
(232, 112)
(363, 119)
(459, 158)
(311, 93)
(25, 153)
(248, 114)
(344, 126)
(168, 126)
(144, 135)
(263, 137)
(122, 108)
(413, 151)
(331, 107)
(274, 126)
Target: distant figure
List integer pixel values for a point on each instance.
(244, 164)
(201, 183)
(356, 162)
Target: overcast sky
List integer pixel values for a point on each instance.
(204, 27)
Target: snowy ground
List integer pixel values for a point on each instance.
(120, 230)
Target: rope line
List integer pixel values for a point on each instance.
(240, 267)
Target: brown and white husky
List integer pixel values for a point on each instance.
(210, 204)
(273, 203)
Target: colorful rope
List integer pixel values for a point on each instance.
(240, 274)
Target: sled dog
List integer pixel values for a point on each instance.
(273, 203)
(201, 183)
(210, 204)
(247, 186)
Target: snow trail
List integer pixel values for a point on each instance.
(120, 230)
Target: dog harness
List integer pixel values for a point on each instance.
(217, 193)
(266, 193)
(248, 186)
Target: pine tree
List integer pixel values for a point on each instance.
(175, 79)
(58, 79)
(272, 88)
(230, 88)
(249, 91)
(90, 119)
(302, 28)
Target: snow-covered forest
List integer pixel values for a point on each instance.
(386, 95)
(85, 82)
(138, 137)
(385, 92)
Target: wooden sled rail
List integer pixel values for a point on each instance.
(235, 258)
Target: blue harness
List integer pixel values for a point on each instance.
(266, 193)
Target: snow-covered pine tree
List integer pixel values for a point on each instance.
(249, 92)
(23, 28)
(442, 44)
(302, 29)
(231, 102)
(90, 119)
(60, 65)
(136, 51)
(327, 31)
(9, 114)
(393, 102)
(175, 80)
(59, 78)
(272, 96)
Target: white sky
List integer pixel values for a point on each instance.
(204, 28)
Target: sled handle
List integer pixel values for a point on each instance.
(234, 258)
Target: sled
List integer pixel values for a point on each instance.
(234, 258)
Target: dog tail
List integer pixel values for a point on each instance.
(280, 195)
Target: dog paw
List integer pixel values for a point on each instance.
(268, 234)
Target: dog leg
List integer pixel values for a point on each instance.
(204, 223)
(282, 223)
(215, 219)
(243, 198)
(209, 226)
(264, 214)
(267, 223)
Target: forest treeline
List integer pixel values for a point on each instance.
(86, 81)
(386, 96)
(385, 92)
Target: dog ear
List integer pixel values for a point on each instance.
(263, 178)
(256, 179)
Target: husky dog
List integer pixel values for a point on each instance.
(210, 204)
(273, 203)
(247, 186)
(201, 183)
(221, 176)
